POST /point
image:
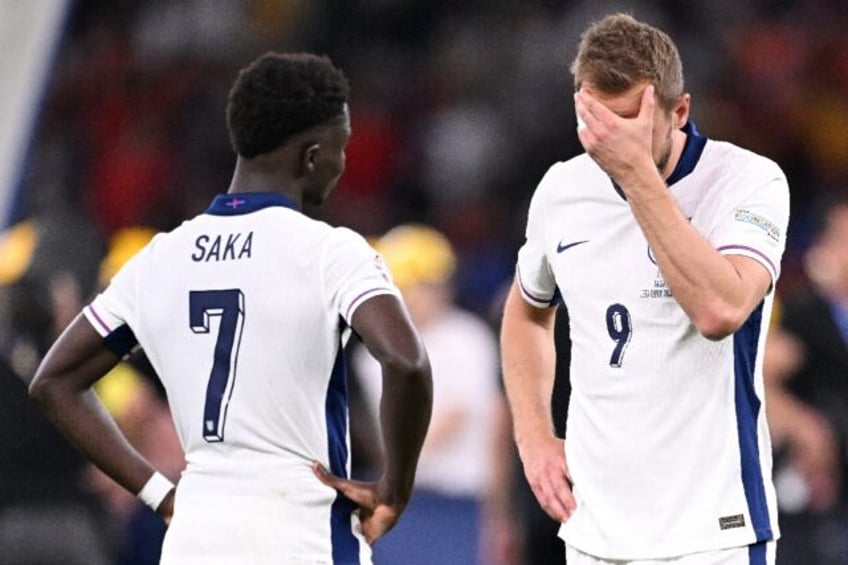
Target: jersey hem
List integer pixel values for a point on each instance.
(96, 321)
(605, 551)
(363, 298)
(528, 296)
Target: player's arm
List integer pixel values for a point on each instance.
(62, 387)
(387, 332)
(718, 292)
(406, 403)
(529, 362)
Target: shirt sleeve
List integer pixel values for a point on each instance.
(533, 271)
(111, 313)
(756, 225)
(354, 273)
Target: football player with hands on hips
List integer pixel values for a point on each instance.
(665, 247)
(244, 311)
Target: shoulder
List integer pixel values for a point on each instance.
(342, 239)
(568, 180)
(743, 161)
(574, 171)
(338, 247)
(343, 234)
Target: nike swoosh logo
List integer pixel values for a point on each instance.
(561, 247)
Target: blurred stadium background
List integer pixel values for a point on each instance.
(112, 117)
(458, 107)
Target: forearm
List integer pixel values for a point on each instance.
(704, 282)
(405, 410)
(62, 387)
(529, 361)
(529, 385)
(84, 421)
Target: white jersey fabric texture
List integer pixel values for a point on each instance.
(666, 440)
(244, 311)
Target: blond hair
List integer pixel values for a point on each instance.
(619, 51)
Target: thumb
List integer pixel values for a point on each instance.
(356, 491)
(323, 474)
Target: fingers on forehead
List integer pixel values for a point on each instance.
(586, 106)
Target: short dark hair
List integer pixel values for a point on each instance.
(619, 51)
(280, 95)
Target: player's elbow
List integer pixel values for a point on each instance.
(719, 321)
(42, 389)
(413, 369)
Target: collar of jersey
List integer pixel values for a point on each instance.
(238, 203)
(692, 150)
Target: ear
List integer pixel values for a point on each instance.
(681, 111)
(308, 158)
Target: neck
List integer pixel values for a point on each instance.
(261, 175)
(678, 142)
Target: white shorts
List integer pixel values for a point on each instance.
(763, 553)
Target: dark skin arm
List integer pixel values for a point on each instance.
(385, 328)
(62, 388)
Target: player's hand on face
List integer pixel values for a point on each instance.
(621, 146)
(547, 473)
(376, 516)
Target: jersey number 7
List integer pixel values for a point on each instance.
(229, 305)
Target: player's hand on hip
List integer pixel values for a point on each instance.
(547, 473)
(621, 146)
(376, 516)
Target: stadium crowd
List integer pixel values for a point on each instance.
(457, 110)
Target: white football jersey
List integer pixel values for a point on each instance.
(666, 440)
(243, 311)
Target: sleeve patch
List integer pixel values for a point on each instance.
(748, 217)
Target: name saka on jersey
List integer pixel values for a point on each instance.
(221, 249)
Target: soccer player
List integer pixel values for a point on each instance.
(665, 247)
(244, 311)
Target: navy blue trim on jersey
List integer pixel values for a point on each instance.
(345, 544)
(618, 190)
(239, 203)
(757, 554)
(557, 300)
(689, 157)
(745, 344)
(549, 301)
(691, 154)
(120, 341)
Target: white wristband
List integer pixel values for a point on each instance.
(155, 490)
